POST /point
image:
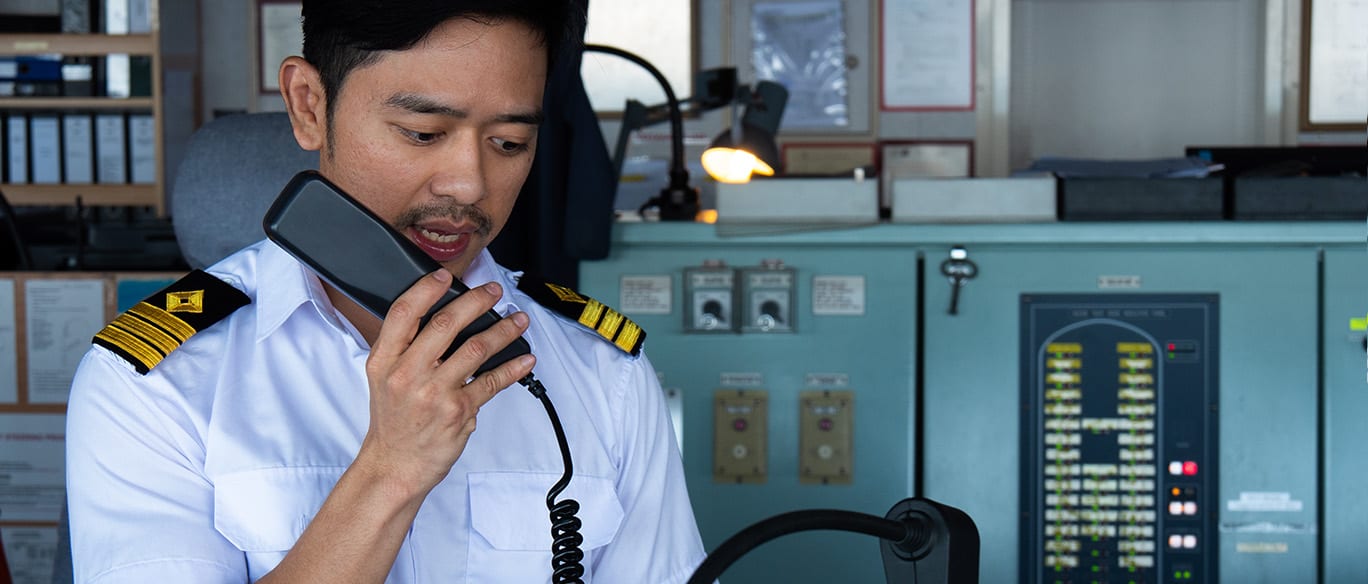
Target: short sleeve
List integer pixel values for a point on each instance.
(141, 508)
(658, 540)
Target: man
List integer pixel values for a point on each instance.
(299, 438)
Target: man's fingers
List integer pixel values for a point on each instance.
(401, 322)
(479, 348)
(490, 383)
(432, 342)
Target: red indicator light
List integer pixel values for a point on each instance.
(1189, 468)
(1172, 347)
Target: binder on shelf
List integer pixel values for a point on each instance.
(16, 133)
(77, 149)
(111, 157)
(142, 148)
(117, 81)
(45, 149)
(139, 16)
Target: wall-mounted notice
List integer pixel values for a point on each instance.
(1335, 79)
(928, 54)
(61, 316)
(32, 460)
(31, 552)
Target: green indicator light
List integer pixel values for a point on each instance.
(1096, 553)
(1170, 355)
(1187, 575)
(1177, 575)
(1097, 568)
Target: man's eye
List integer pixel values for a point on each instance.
(420, 137)
(509, 147)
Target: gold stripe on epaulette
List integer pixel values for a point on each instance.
(612, 321)
(627, 339)
(177, 327)
(593, 312)
(149, 334)
(131, 345)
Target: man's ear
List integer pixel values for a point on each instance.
(305, 102)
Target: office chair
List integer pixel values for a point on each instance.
(233, 169)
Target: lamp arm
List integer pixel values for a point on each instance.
(679, 174)
(912, 533)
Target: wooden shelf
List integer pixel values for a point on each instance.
(93, 195)
(70, 103)
(77, 44)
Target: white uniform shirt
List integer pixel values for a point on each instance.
(209, 468)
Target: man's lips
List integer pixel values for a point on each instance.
(439, 244)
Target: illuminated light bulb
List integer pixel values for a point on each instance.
(733, 166)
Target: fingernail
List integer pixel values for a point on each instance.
(491, 289)
(519, 318)
(441, 275)
(526, 361)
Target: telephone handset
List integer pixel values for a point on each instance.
(355, 251)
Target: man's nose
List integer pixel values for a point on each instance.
(460, 170)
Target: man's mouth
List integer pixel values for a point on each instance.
(439, 244)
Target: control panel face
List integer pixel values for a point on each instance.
(709, 296)
(1119, 438)
(826, 426)
(767, 298)
(740, 430)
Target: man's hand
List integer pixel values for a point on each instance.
(422, 408)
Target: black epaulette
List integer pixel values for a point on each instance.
(594, 315)
(151, 329)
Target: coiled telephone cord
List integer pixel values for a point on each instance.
(566, 555)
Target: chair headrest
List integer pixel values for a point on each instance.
(233, 169)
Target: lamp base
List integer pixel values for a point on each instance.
(675, 204)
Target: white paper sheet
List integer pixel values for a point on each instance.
(32, 553)
(32, 467)
(928, 52)
(61, 316)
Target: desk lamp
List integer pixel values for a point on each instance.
(718, 88)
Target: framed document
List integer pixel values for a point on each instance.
(280, 36)
(927, 55)
(1334, 71)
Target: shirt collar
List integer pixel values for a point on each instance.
(284, 285)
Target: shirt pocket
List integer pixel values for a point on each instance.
(511, 526)
(264, 511)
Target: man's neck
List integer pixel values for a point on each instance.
(365, 322)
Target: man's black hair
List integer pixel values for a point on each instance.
(342, 35)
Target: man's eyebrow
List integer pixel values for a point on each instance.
(423, 105)
(531, 118)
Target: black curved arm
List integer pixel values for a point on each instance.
(921, 541)
(679, 174)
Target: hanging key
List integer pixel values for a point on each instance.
(958, 269)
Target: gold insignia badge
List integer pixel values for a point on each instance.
(185, 301)
(566, 294)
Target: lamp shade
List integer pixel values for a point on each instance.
(736, 155)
